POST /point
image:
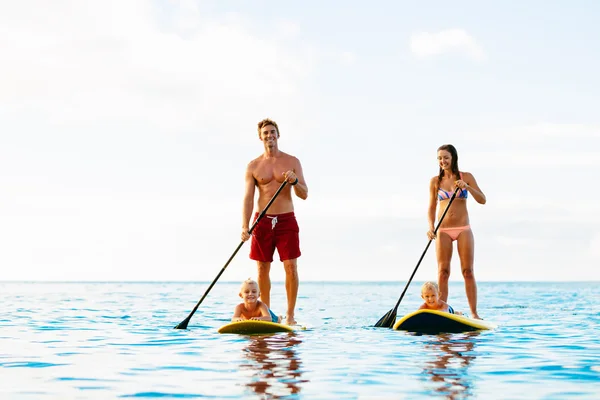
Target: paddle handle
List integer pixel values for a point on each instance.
(426, 248)
(183, 324)
(264, 211)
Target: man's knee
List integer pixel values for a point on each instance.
(290, 266)
(263, 267)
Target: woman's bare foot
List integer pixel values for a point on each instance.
(476, 316)
(290, 320)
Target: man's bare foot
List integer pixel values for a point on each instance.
(476, 316)
(290, 321)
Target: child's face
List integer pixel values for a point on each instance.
(430, 296)
(249, 293)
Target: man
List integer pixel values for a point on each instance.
(278, 227)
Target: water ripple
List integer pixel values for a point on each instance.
(111, 340)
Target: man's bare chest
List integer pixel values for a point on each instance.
(267, 172)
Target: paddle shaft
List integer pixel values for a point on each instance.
(425, 251)
(184, 323)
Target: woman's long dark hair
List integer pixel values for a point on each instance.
(453, 165)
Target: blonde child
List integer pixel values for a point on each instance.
(430, 293)
(251, 307)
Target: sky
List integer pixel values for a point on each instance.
(126, 127)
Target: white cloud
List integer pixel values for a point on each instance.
(536, 206)
(539, 158)
(535, 133)
(174, 70)
(348, 58)
(553, 130)
(594, 248)
(367, 206)
(534, 146)
(426, 44)
(113, 117)
(519, 241)
(126, 127)
(288, 28)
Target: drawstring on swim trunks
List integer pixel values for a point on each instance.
(273, 221)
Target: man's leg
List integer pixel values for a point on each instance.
(291, 288)
(264, 282)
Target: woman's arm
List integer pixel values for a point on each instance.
(472, 187)
(433, 186)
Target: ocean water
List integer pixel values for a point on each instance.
(116, 340)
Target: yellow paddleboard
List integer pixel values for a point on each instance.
(250, 327)
(434, 322)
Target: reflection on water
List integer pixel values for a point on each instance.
(275, 366)
(448, 370)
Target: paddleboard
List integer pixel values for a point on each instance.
(251, 327)
(434, 322)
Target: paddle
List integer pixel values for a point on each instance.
(389, 319)
(183, 324)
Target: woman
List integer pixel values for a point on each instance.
(455, 225)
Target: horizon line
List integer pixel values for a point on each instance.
(281, 281)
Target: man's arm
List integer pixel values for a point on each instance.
(248, 203)
(300, 188)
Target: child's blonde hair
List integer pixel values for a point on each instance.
(248, 281)
(430, 285)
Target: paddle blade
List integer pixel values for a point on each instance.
(387, 321)
(183, 324)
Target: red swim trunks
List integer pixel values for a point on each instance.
(275, 231)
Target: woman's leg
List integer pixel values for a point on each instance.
(466, 251)
(443, 249)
